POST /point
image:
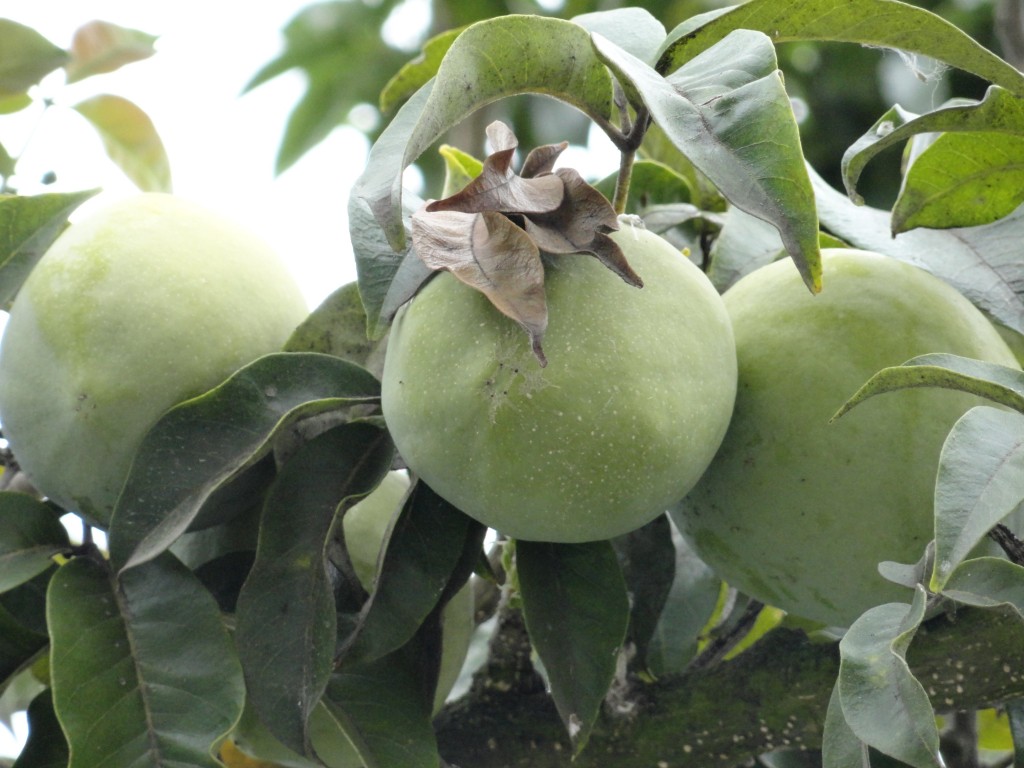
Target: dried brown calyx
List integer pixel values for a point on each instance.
(490, 234)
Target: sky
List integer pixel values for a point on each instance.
(221, 144)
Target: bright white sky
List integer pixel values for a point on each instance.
(221, 145)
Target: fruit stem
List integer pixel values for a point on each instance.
(626, 160)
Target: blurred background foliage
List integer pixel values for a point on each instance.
(838, 90)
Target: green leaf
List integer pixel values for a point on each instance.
(1015, 713)
(382, 709)
(285, 620)
(691, 602)
(460, 168)
(418, 72)
(19, 645)
(980, 481)
(977, 377)
(883, 703)
(166, 488)
(131, 140)
(387, 278)
(648, 559)
(324, 40)
(882, 23)
(962, 180)
(840, 747)
(100, 46)
(633, 29)
(999, 111)
(142, 669)
(728, 112)
(652, 183)
(429, 553)
(744, 244)
(27, 57)
(338, 327)
(28, 226)
(506, 56)
(46, 747)
(577, 613)
(983, 263)
(30, 535)
(987, 582)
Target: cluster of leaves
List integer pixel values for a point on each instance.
(128, 134)
(192, 628)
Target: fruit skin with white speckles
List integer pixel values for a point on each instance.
(634, 400)
(796, 511)
(147, 302)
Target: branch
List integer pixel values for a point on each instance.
(773, 695)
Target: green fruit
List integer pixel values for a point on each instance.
(796, 511)
(365, 525)
(634, 400)
(148, 302)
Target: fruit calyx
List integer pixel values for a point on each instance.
(490, 235)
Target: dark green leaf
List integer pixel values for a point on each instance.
(962, 180)
(577, 613)
(744, 244)
(131, 140)
(983, 263)
(632, 29)
(648, 559)
(100, 46)
(19, 645)
(883, 703)
(381, 707)
(735, 124)
(286, 619)
(691, 602)
(167, 487)
(46, 747)
(418, 72)
(27, 57)
(506, 56)
(652, 183)
(338, 327)
(28, 226)
(979, 482)
(429, 553)
(882, 23)
(30, 535)
(977, 377)
(999, 111)
(1015, 713)
(142, 669)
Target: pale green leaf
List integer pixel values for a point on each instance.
(26, 57)
(980, 481)
(633, 29)
(490, 60)
(131, 140)
(728, 112)
(100, 46)
(882, 702)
